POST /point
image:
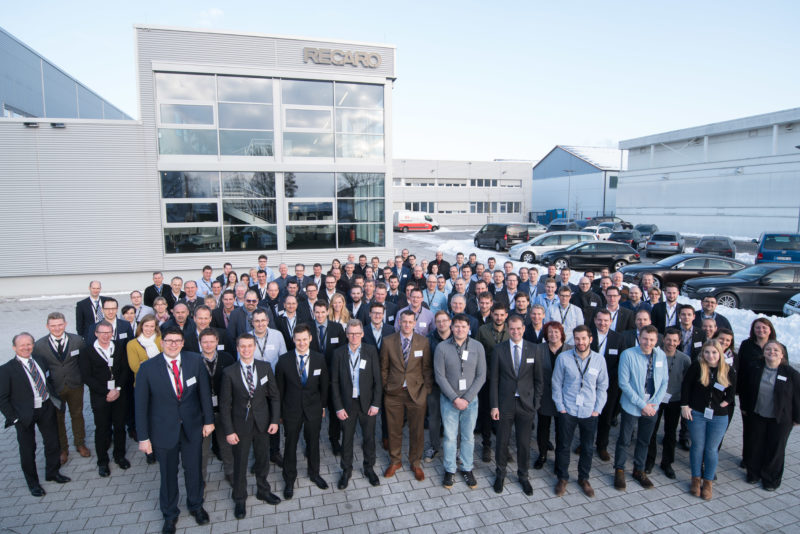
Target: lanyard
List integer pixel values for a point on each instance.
(585, 367)
(460, 350)
(429, 298)
(564, 313)
(262, 347)
(600, 346)
(670, 318)
(354, 364)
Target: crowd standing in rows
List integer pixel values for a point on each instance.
(222, 366)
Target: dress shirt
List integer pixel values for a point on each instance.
(567, 383)
(37, 399)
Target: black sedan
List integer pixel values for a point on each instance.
(764, 287)
(591, 255)
(679, 268)
(630, 237)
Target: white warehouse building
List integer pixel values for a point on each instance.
(738, 178)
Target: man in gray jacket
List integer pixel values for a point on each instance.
(459, 366)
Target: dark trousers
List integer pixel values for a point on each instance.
(435, 418)
(485, 422)
(334, 425)
(109, 421)
(608, 413)
(259, 441)
(367, 423)
(543, 432)
(217, 441)
(643, 425)
(384, 421)
(746, 431)
(130, 402)
(766, 446)
(275, 442)
(187, 452)
(72, 398)
(671, 413)
(45, 419)
(291, 428)
(565, 426)
(523, 423)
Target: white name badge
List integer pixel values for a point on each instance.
(719, 386)
(465, 355)
(708, 413)
(334, 340)
(355, 392)
(111, 384)
(37, 403)
(220, 347)
(363, 364)
(418, 354)
(190, 382)
(390, 318)
(264, 380)
(697, 344)
(74, 352)
(579, 400)
(214, 401)
(423, 325)
(659, 364)
(123, 335)
(647, 397)
(613, 351)
(317, 372)
(594, 372)
(782, 378)
(529, 360)
(593, 304)
(405, 276)
(462, 384)
(666, 398)
(111, 362)
(729, 360)
(272, 347)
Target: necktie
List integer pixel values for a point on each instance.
(251, 388)
(516, 359)
(98, 315)
(303, 373)
(60, 349)
(176, 373)
(406, 346)
(322, 337)
(38, 380)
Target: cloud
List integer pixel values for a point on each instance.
(210, 16)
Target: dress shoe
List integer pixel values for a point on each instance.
(58, 478)
(319, 481)
(498, 484)
(391, 470)
(669, 472)
(561, 487)
(619, 479)
(371, 476)
(419, 474)
(752, 479)
(123, 463)
(487, 455)
(151, 459)
(603, 454)
(268, 497)
(430, 454)
(336, 447)
(527, 489)
(200, 515)
(765, 487)
(586, 487)
(169, 526)
(64, 457)
(385, 444)
(288, 491)
(239, 510)
(83, 451)
(641, 478)
(684, 443)
(38, 491)
(344, 480)
(449, 480)
(104, 471)
(539, 463)
(277, 459)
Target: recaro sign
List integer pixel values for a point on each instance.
(327, 56)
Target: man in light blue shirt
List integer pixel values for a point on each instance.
(563, 312)
(643, 380)
(435, 299)
(579, 384)
(548, 298)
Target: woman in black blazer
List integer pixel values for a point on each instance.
(770, 402)
(751, 352)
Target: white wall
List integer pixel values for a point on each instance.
(583, 194)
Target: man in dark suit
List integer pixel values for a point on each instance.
(444, 266)
(356, 306)
(303, 382)
(241, 319)
(300, 276)
(122, 331)
(104, 369)
(608, 344)
(621, 318)
(630, 338)
(157, 289)
(249, 408)
(28, 399)
(389, 309)
(173, 415)
(534, 330)
(563, 280)
(692, 337)
(377, 329)
(665, 312)
(327, 336)
(202, 320)
(515, 393)
(221, 315)
(59, 351)
(709, 311)
(226, 270)
(89, 311)
(357, 392)
(291, 316)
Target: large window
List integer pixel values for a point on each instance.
(495, 207)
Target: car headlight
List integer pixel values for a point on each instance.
(706, 289)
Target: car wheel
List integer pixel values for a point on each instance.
(476, 243)
(405, 229)
(618, 265)
(434, 228)
(729, 300)
(657, 282)
(528, 257)
(561, 263)
(497, 246)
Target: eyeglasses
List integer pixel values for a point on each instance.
(171, 341)
(110, 309)
(354, 333)
(251, 301)
(102, 332)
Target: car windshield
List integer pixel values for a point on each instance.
(671, 260)
(756, 271)
(574, 246)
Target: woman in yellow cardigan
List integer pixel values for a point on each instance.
(144, 346)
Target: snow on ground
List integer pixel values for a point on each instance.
(787, 328)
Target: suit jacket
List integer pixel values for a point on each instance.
(369, 379)
(390, 312)
(218, 318)
(84, 315)
(334, 338)
(369, 337)
(96, 374)
(299, 401)
(588, 302)
(532, 336)
(786, 394)
(238, 324)
(160, 416)
(122, 333)
(659, 316)
(504, 381)
(398, 300)
(625, 319)
(224, 360)
(611, 352)
(419, 373)
(721, 320)
(189, 328)
(363, 312)
(192, 344)
(695, 345)
(151, 294)
(236, 407)
(66, 373)
(16, 395)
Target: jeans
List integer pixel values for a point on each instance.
(644, 426)
(452, 419)
(706, 435)
(671, 413)
(566, 430)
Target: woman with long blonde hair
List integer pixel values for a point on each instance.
(338, 310)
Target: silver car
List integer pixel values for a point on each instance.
(792, 306)
(665, 244)
(530, 251)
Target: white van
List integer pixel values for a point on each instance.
(414, 220)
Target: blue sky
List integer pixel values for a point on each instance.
(485, 80)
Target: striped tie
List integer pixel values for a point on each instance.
(38, 380)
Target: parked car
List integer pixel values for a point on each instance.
(562, 225)
(601, 232)
(530, 251)
(716, 244)
(613, 226)
(778, 247)
(646, 230)
(682, 267)
(763, 288)
(595, 221)
(534, 229)
(592, 255)
(500, 236)
(665, 243)
(630, 237)
(792, 306)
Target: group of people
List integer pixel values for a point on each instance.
(223, 366)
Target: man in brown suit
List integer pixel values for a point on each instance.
(407, 373)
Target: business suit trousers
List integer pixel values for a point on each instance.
(766, 446)
(72, 398)
(522, 420)
(606, 416)
(188, 453)
(543, 432)
(45, 419)
(435, 418)
(241, 453)
(396, 406)
(485, 422)
(644, 426)
(225, 450)
(367, 423)
(310, 428)
(109, 422)
(334, 425)
(566, 430)
(671, 413)
(275, 442)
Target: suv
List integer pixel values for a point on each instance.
(629, 237)
(501, 236)
(533, 249)
(778, 247)
(595, 221)
(562, 225)
(716, 244)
